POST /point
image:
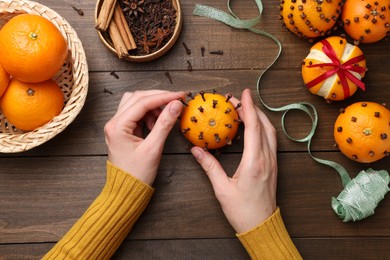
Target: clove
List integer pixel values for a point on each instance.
(202, 50)
(189, 66)
(113, 73)
(78, 10)
(183, 102)
(202, 94)
(188, 51)
(107, 91)
(169, 77)
(218, 52)
(229, 96)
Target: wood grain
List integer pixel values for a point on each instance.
(43, 196)
(45, 190)
(310, 248)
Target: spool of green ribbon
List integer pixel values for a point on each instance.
(362, 194)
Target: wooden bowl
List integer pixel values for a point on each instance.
(104, 37)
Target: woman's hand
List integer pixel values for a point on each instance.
(249, 197)
(127, 147)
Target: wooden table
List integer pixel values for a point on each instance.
(45, 190)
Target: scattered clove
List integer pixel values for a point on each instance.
(188, 51)
(168, 76)
(107, 91)
(189, 67)
(78, 10)
(202, 50)
(218, 52)
(113, 73)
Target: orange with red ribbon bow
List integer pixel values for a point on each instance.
(334, 68)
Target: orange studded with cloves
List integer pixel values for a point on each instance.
(310, 18)
(362, 131)
(366, 21)
(209, 120)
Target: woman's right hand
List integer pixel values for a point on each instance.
(249, 197)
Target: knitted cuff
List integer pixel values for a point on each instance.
(269, 240)
(107, 221)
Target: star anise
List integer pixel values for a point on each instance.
(133, 7)
(160, 35)
(146, 44)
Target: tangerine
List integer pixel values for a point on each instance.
(31, 105)
(331, 87)
(310, 18)
(362, 131)
(4, 80)
(209, 120)
(366, 21)
(32, 49)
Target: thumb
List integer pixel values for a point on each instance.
(164, 124)
(212, 168)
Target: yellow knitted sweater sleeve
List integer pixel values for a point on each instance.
(269, 240)
(107, 221)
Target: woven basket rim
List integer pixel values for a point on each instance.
(19, 142)
(151, 56)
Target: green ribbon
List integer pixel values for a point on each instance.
(360, 195)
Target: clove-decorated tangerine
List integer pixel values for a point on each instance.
(366, 21)
(310, 18)
(362, 131)
(209, 120)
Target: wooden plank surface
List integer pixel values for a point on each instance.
(42, 197)
(341, 248)
(45, 190)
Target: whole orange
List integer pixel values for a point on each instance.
(362, 131)
(366, 20)
(4, 80)
(209, 121)
(31, 105)
(331, 87)
(310, 18)
(32, 49)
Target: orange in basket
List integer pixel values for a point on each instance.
(31, 105)
(4, 80)
(32, 49)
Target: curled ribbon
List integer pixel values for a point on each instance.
(342, 70)
(358, 199)
(360, 195)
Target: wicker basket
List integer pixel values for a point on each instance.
(72, 78)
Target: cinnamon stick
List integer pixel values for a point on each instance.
(124, 29)
(116, 38)
(105, 15)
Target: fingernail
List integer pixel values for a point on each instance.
(196, 153)
(175, 108)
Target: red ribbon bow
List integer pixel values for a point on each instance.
(342, 70)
